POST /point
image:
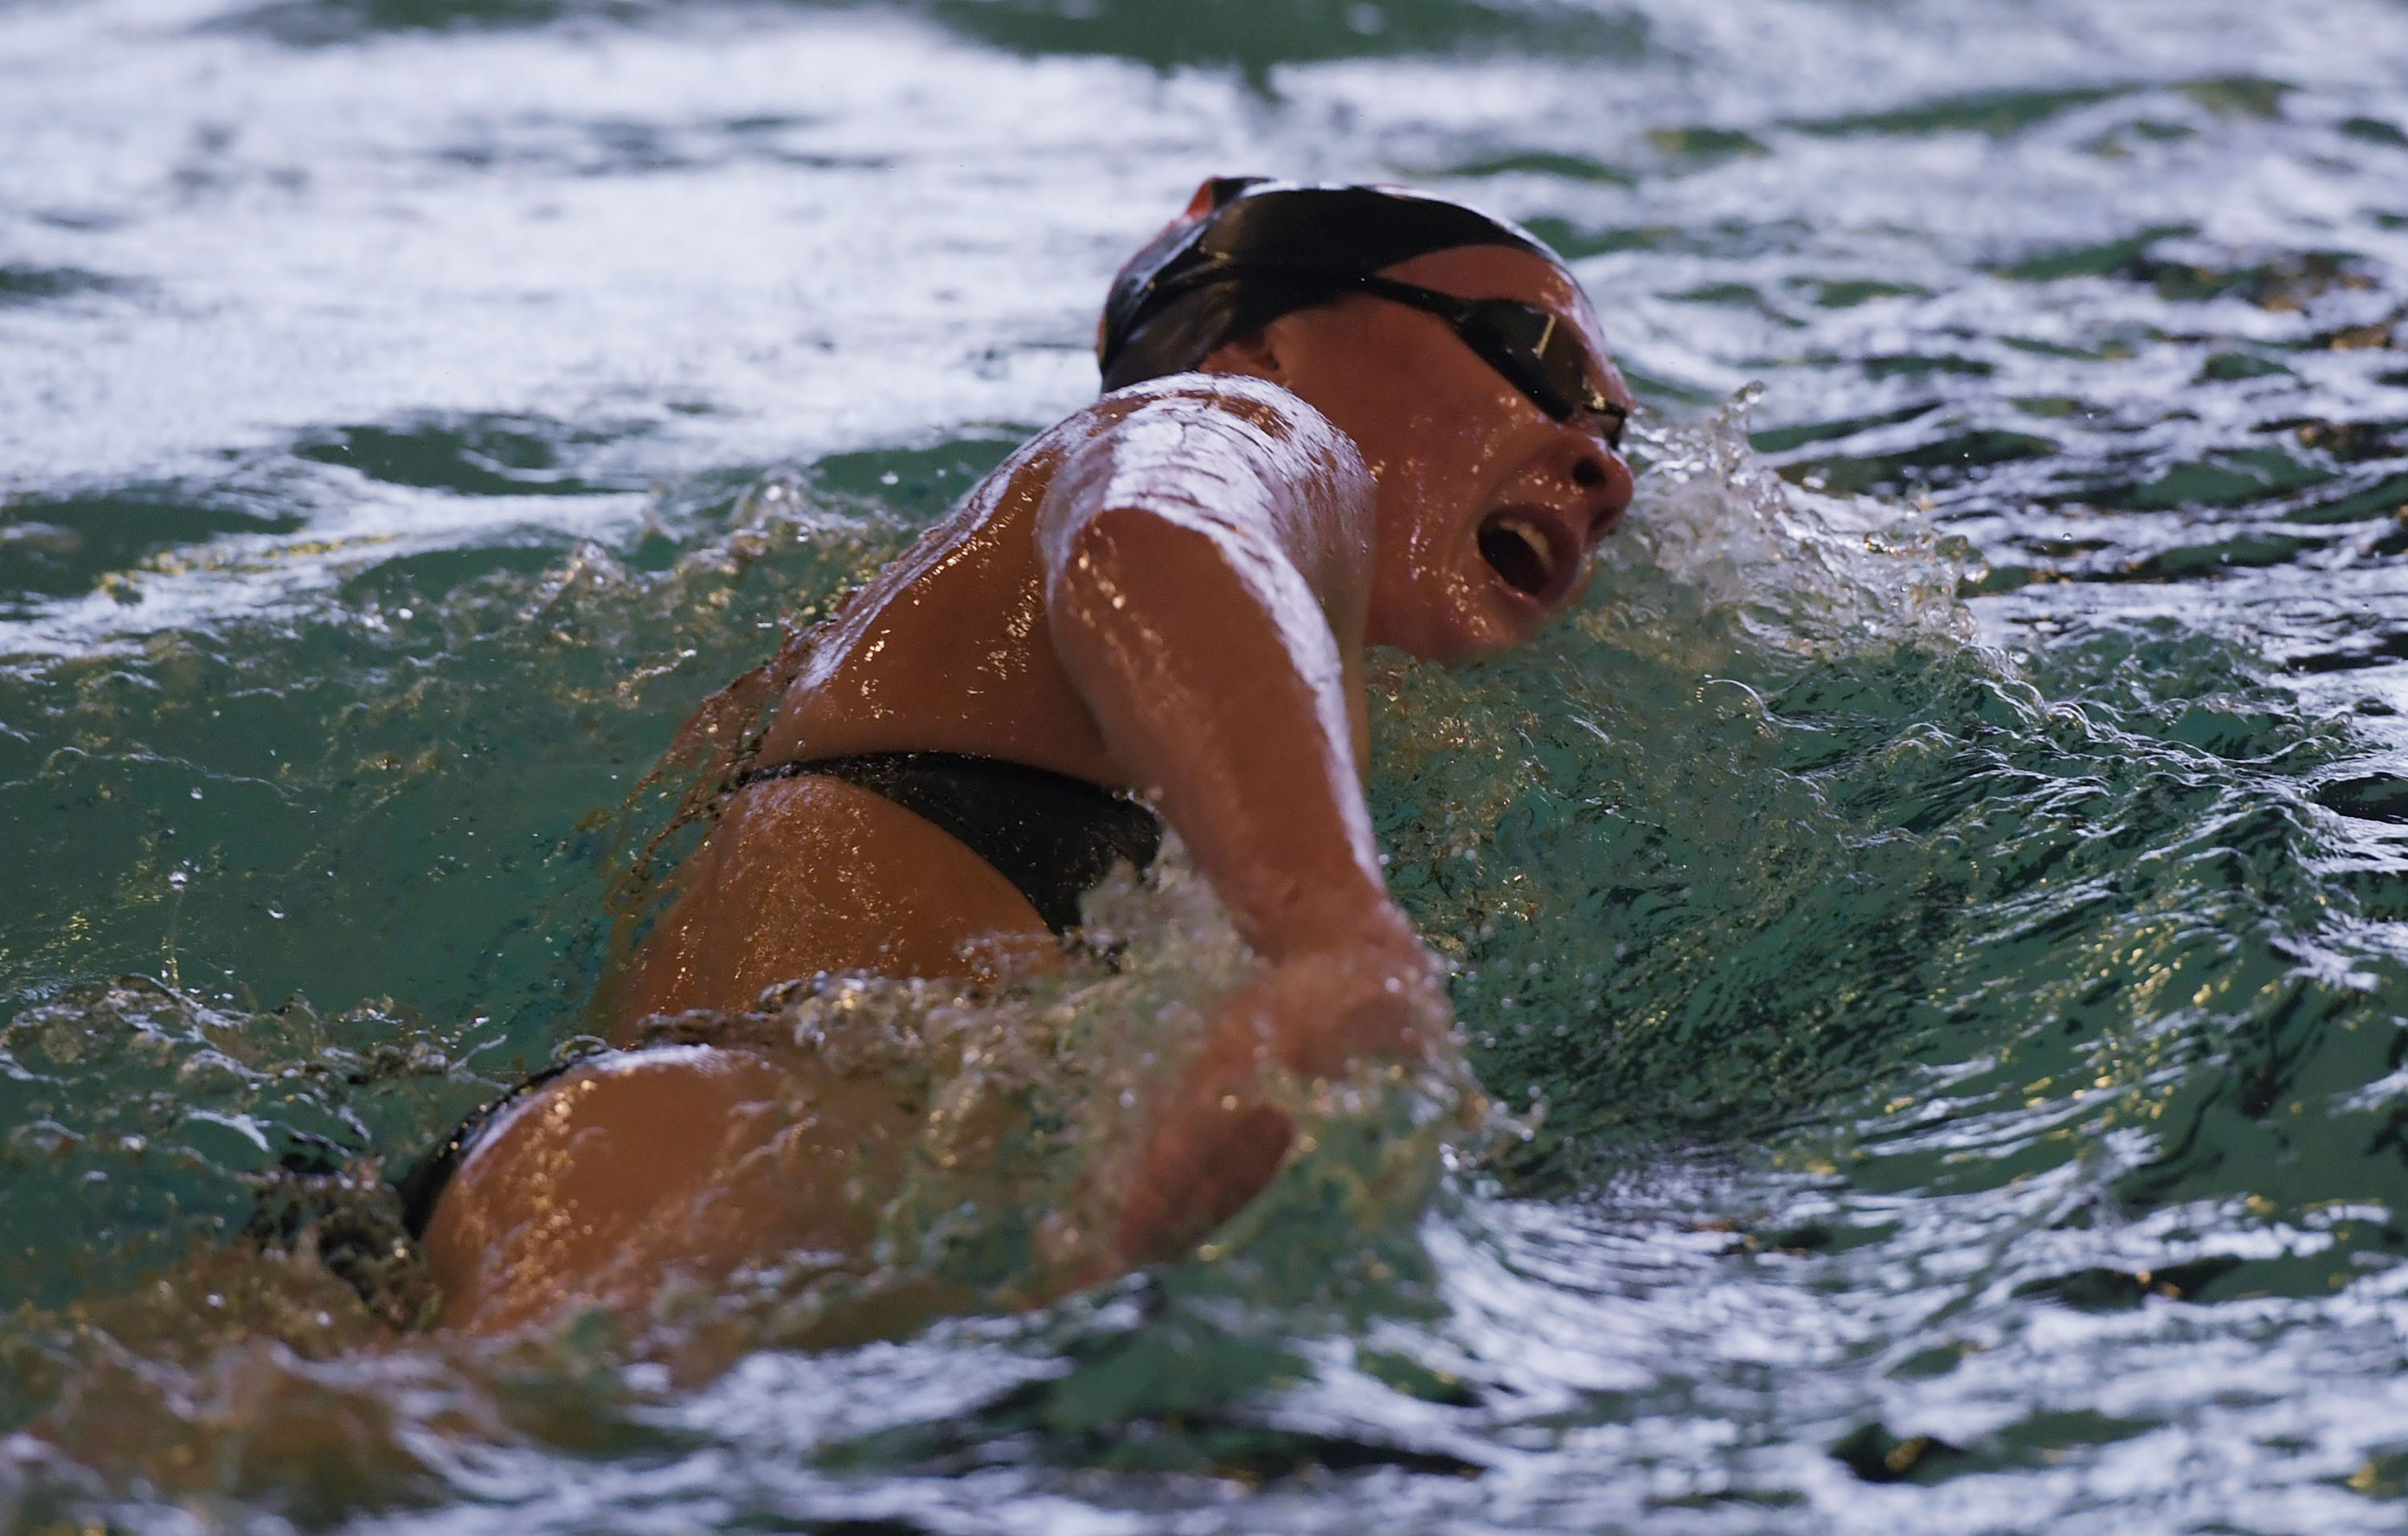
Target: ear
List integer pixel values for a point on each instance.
(1255, 354)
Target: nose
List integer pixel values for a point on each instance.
(1604, 482)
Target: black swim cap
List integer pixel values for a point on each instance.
(1250, 249)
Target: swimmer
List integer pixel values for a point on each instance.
(1334, 418)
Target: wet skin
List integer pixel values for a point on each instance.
(1171, 591)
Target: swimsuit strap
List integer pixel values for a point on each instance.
(1052, 834)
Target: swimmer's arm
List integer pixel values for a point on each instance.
(1205, 589)
(1206, 583)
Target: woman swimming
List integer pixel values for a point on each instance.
(1336, 417)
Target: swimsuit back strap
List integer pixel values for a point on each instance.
(1052, 834)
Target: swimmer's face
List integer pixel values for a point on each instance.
(1488, 508)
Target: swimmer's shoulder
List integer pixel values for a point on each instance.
(1278, 416)
(1281, 430)
(1291, 446)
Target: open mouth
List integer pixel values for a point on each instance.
(1526, 553)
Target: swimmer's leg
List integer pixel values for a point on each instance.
(637, 1170)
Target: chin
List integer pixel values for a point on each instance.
(1468, 614)
(1492, 644)
(1458, 640)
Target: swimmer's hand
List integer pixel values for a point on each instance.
(1211, 1142)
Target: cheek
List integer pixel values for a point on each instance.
(1417, 514)
(1439, 479)
(1430, 595)
(1433, 484)
(1445, 438)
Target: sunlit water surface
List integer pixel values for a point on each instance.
(1934, 924)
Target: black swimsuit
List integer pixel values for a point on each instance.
(1054, 837)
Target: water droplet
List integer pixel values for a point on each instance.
(276, 912)
(178, 879)
(890, 478)
(196, 791)
(404, 613)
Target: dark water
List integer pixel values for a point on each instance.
(1938, 917)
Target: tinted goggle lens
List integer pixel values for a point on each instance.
(1532, 350)
(1538, 355)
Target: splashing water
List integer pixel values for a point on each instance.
(1764, 802)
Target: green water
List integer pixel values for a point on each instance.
(1933, 922)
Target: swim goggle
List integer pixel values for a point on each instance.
(1531, 347)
